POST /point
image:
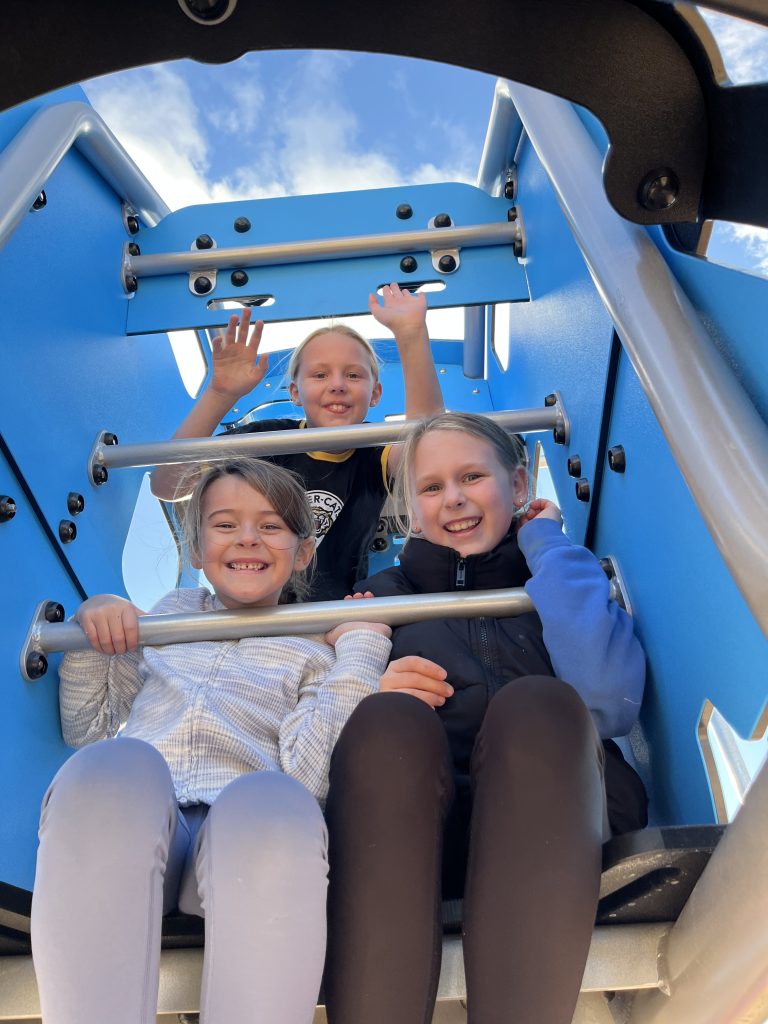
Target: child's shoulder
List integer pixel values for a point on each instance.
(184, 599)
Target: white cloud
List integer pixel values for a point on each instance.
(743, 47)
(753, 241)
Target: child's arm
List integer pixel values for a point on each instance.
(590, 639)
(237, 369)
(98, 686)
(405, 314)
(327, 697)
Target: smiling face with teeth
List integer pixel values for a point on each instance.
(463, 496)
(334, 381)
(246, 550)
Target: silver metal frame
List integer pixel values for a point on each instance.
(314, 250)
(714, 730)
(279, 442)
(33, 155)
(699, 403)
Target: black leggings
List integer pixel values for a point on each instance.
(533, 875)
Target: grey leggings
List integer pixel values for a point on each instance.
(116, 852)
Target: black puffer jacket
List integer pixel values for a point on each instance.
(481, 654)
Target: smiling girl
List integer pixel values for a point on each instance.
(505, 795)
(334, 377)
(208, 800)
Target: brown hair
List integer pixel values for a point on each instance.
(282, 488)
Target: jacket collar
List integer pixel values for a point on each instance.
(432, 568)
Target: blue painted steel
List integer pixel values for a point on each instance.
(331, 288)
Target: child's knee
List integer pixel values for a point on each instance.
(541, 713)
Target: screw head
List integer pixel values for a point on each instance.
(131, 284)
(241, 225)
(203, 242)
(239, 278)
(408, 264)
(134, 249)
(40, 202)
(75, 503)
(53, 612)
(132, 223)
(447, 264)
(659, 189)
(202, 285)
(7, 508)
(36, 664)
(582, 489)
(404, 211)
(617, 459)
(67, 531)
(574, 466)
(443, 220)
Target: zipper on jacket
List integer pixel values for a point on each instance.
(461, 574)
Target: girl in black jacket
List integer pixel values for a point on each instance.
(483, 774)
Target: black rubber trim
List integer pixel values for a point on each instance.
(601, 463)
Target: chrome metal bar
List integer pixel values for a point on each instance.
(715, 963)
(501, 139)
(712, 426)
(287, 620)
(279, 442)
(314, 250)
(33, 155)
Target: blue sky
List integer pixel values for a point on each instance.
(292, 122)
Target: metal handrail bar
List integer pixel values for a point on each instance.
(280, 442)
(718, 439)
(33, 155)
(317, 249)
(292, 619)
(501, 139)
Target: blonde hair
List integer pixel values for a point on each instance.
(349, 332)
(282, 488)
(509, 449)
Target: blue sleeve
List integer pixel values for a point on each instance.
(589, 638)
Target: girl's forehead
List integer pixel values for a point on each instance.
(449, 446)
(334, 348)
(233, 491)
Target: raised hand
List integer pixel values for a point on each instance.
(237, 365)
(420, 677)
(403, 312)
(541, 508)
(111, 623)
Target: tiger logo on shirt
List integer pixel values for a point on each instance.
(325, 509)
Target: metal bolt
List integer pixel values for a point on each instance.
(67, 531)
(447, 264)
(203, 242)
(53, 612)
(202, 285)
(574, 466)
(75, 503)
(408, 264)
(443, 220)
(241, 225)
(99, 475)
(36, 664)
(659, 189)
(617, 459)
(550, 400)
(131, 284)
(7, 508)
(239, 278)
(40, 202)
(582, 489)
(134, 249)
(404, 211)
(379, 544)
(132, 223)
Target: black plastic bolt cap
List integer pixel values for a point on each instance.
(582, 489)
(134, 249)
(241, 225)
(550, 400)
(574, 466)
(404, 211)
(100, 475)
(239, 278)
(36, 664)
(53, 612)
(204, 242)
(617, 459)
(447, 264)
(202, 285)
(67, 531)
(132, 223)
(659, 190)
(131, 284)
(40, 202)
(75, 503)
(109, 438)
(408, 264)
(443, 220)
